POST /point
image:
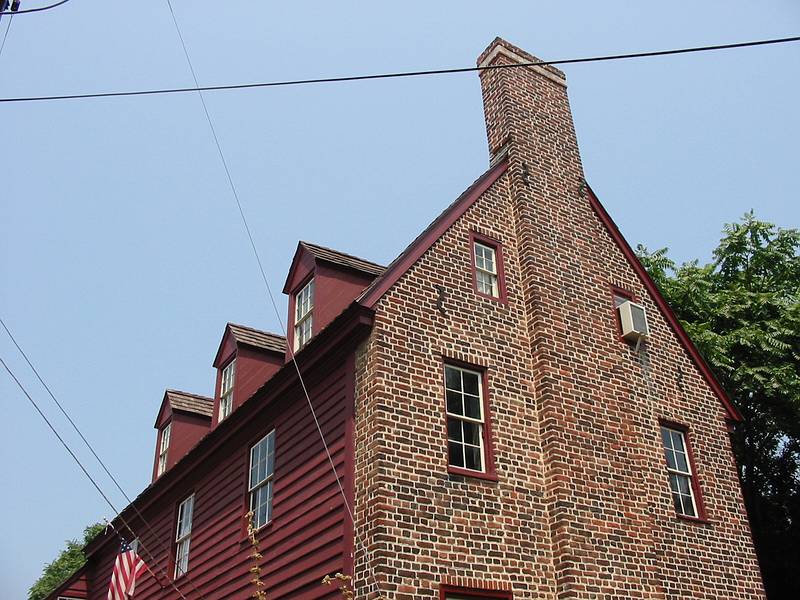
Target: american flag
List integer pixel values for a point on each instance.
(127, 569)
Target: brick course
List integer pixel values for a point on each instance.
(581, 508)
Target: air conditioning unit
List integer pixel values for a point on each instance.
(633, 319)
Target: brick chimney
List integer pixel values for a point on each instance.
(564, 276)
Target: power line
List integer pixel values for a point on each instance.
(88, 475)
(344, 79)
(34, 10)
(156, 536)
(271, 296)
(5, 35)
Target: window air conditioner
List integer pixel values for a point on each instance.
(633, 319)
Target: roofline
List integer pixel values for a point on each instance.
(663, 305)
(238, 343)
(302, 244)
(340, 335)
(433, 232)
(173, 409)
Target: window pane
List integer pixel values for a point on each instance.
(473, 457)
(666, 438)
(682, 463)
(454, 430)
(454, 403)
(471, 383)
(452, 378)
(472, 407)
(677, 441)
(472, 433)
(455, 454)
(670, 458)
(683, 485)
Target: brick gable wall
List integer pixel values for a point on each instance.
(581, 508)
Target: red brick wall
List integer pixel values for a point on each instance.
(581, 508)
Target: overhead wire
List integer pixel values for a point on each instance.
(89, 476)
(262, 271)
(34, 10)
(131, 503)
(349, 78)
(5, 35)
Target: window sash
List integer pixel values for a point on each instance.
(465, 427)
(260, 479)
(304, 301)
(182, 557)
(303, 311)
(183, 535)
(163, 448)
(302, 331)
(679, 470)
(486, 277)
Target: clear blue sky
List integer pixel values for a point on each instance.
(121, 252)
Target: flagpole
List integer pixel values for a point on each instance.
(146, 566)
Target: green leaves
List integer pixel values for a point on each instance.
(69, 560)
(743, 313)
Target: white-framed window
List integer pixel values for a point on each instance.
(303, 315)
(226, 390)
(679, 467)
(465, 418)
(183, 536)
(486, 279)
(262, 472)
(163, 448)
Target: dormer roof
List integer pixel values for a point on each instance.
(331, 257)
(186, 402)
(255, 338)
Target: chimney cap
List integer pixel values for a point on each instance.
(500, 47)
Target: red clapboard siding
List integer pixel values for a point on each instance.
(308, 537)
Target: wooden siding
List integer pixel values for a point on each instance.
(309, 535)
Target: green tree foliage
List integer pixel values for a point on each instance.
(69, 560)
(743, 312)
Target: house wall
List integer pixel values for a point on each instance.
(310, 532)
(75, 587)
(581, 506)
(253, 369)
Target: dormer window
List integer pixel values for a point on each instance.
(163, 448)
(226, 390)
(303, 309)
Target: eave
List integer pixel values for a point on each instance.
(339, 337)
(663, 306)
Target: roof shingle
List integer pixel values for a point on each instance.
(258, 338)
(344, 260)
(193, 403)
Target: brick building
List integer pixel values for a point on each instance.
(497, 423)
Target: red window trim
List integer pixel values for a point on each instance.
(490, 474)
(497, 245)
(702, 516)
(476, 593)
